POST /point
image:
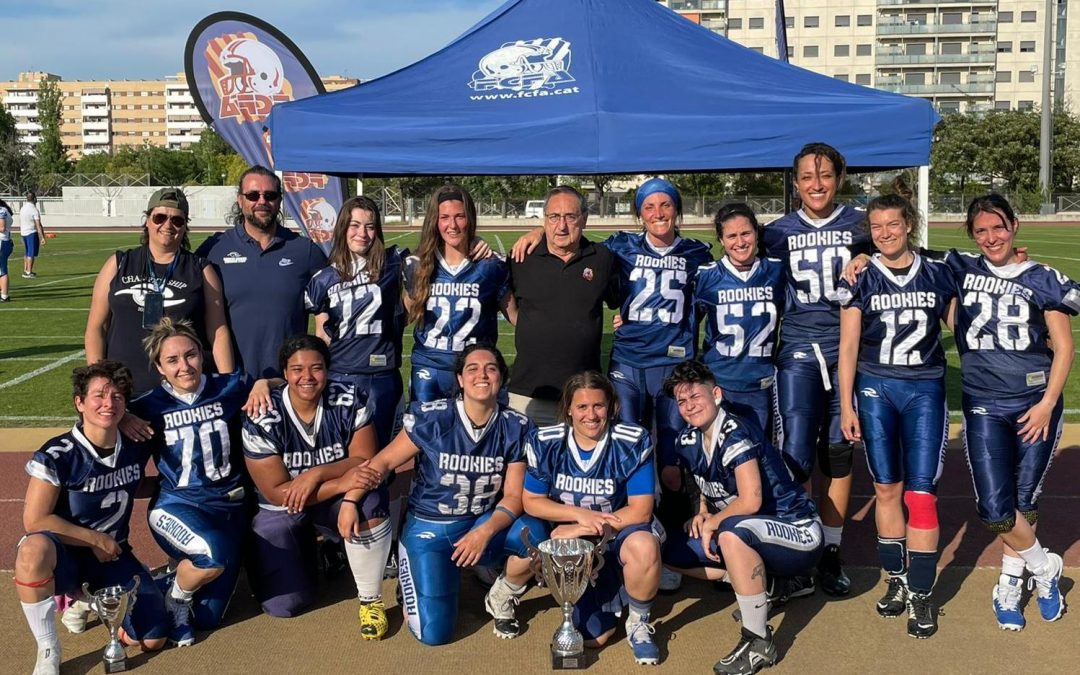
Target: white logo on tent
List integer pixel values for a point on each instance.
(524, 65)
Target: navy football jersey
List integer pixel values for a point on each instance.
(1001, 332)
(901, 318)
(741, 311)
(735, 442)
(341, 412)
(594, 480)
(659, 327)
(95, 492)
(460, 470)
(197, 438)
(363, 315)
(815, 256)
(462, 308)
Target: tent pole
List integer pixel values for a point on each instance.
(924, 202)
(359, 184)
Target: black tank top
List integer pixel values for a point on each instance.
(183, 299)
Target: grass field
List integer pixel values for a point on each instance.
(41, 330)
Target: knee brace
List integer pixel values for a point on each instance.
(922, 510)
(1001, 526)
(1031, 516)
(836, 460)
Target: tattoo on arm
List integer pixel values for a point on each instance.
(759, 571)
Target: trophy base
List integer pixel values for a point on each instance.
(570, 661)
(115, 666)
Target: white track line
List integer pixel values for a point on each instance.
(499, 241)
(27, 358)
(34, 418)
(44, 309)
(44, 337)
(60, 281)
(44, 369)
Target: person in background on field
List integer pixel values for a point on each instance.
(33, 234)
(138, 287)
(264, 268)
(5, 247)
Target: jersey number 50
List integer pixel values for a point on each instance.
(820, 278)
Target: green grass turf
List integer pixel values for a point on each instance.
(44, 322)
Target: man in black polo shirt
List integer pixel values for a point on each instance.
(560, 288)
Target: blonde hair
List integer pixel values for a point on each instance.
(165, 329)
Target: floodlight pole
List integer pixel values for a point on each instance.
(1046, 117)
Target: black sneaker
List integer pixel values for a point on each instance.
(922, 616)
(749, 656)
(334, 562)
(831, 571)
(790, 588)
(894, 602)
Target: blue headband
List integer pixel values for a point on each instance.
(651, 187)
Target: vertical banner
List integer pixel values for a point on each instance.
(238, 68)
(781, 32)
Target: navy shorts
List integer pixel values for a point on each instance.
(208, 536)
(75, 565)
(905, 427)
(752, 406)
(788, 548)
(1008, 473)
(807, 413)
(32, 244)
(284, 553)
(430, 581)
(642, 401)
(384, 394)
(5, 252)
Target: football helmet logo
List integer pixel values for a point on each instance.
(253, 67)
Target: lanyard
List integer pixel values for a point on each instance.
(159, 284)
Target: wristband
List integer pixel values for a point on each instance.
(354, 502)
(506, 511)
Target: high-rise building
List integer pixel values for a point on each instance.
(106, 115)
(963, 55)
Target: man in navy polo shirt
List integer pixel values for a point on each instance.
(264, 269)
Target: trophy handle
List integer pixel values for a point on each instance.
(601, 548)
(535, 564)
(88, 597)
(133, 594)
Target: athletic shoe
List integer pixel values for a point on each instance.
(391, 569)
(48, 660)
(922, 616)
(669, 581)
(373, 623)
(334, 562)
(639, 634)
(831, 570)
(486, 574)
(5, 299)
(1007, 602)
(74, 617)
(182, 633)
(749, 656)
(500, 602)
(785, 589)
(28, 275)
(892, 604)
(1051, 604)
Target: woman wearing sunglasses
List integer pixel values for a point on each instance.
(161, 277)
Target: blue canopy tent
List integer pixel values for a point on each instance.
(595, 86)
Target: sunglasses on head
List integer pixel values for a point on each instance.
(160, 218)
(269, 195)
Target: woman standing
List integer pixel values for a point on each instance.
(357, 305)
(465, 505)
(589, 472)
(892, 360)
(5, 247)
(452, 300)
(137, 287)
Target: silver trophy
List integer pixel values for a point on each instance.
(112, 605)
(566, 567)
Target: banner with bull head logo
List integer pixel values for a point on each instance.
(238, 68)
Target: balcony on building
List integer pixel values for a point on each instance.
(885, 57)
(95, 125)
(697, 5)
(889, 25)
(938, 3)
(17, 96)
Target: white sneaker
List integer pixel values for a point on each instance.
(669, 581)
(74, 617)
(48, 660)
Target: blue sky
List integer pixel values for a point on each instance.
(144, 39)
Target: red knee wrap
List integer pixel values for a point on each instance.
(922, 510)
(34, 584)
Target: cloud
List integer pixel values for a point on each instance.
(129, 39)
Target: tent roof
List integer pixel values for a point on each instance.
(595, 86)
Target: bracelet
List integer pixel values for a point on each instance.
(354, 502)
(506, 511)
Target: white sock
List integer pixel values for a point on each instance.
(41, 617)
(755, 613)
(179, 594)
(516, 589)
(1035, 559)
(367, 559)
(1012, 566)
(833, 535)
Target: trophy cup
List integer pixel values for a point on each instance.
(566, 566)
(112, 605)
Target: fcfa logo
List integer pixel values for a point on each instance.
(319, 216)
(247, 75)
(524, 65)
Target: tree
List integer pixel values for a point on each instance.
(49, 155)
(14, 160)
(94, 163)
(211, 153)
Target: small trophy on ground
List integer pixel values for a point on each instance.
(112, 605)
(566, 567)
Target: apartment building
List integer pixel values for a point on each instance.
(106, 115)
(962, 55)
